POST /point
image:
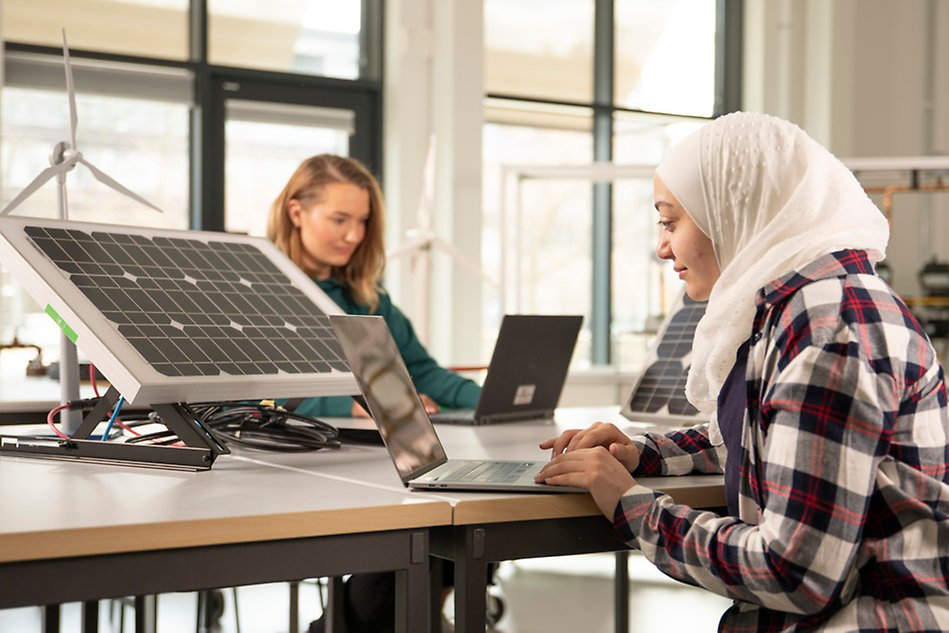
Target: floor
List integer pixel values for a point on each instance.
(581, 585)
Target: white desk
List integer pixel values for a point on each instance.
(82, 532)
(491, 527)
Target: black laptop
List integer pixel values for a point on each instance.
(527, 372)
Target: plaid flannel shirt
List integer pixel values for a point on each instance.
(844, 489)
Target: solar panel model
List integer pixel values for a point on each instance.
(171, 317)
(659, 393)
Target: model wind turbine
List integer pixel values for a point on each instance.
(63, 157)
(421, 240)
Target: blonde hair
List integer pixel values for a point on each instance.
(364, 270)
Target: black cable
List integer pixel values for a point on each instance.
(265, 426)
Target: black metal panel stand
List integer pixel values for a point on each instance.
(200, 448)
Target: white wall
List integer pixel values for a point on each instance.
(434, 90)
(866, 78)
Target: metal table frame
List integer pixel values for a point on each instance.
(473, 547)
(91, 578)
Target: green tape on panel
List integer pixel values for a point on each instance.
(70, 333)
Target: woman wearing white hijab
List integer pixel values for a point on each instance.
(822, 391)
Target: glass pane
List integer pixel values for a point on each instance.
(643, 286)
(141, 144)
(665, 55)
(548, 258)
(313, 37)
(643, 139)
(264, 144)
(539, 48)
(149, 28)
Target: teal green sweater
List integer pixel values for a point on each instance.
(443, 386)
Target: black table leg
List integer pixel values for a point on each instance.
(90, 616)
(51, 618)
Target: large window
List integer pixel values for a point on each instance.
(591, 82)
(205, 115)
(143, 144)
(140, 142)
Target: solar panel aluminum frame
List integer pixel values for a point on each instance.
(116, 358)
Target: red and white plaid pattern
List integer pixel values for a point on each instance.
(844, 486)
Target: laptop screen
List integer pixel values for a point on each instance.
(393, 401)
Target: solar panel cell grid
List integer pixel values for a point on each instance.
(193, 307)
(660, 391)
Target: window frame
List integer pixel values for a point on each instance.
(727, 98)
(211, 85)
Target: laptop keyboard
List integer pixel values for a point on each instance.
(492, 472)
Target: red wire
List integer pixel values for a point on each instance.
(52, 425)
(95, 388)
(122, 425)
(92, 379)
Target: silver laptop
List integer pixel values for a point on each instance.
(527, 371)
(406, 429)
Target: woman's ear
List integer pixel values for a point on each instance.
(294, 212)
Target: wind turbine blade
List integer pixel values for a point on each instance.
(423, 219)
(412, 245)
(38, 182)
(460, 258)
(71, 92)
(108, 181)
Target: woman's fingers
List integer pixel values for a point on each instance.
(626, 454)
(430, 405)
(596, 470)
(557, 444)
(598, 434)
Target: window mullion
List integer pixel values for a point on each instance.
(601, 309)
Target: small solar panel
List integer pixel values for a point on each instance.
(659, 393)
(181, 316)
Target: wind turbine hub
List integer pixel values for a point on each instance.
(72, 155)
(57, 155)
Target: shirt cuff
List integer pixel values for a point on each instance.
(631, 511)
(650, 461)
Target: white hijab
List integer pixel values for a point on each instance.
(772, 200)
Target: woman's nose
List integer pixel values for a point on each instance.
(663, 250)
(354, 234)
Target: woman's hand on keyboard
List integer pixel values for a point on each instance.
(598, 434)
(595, 469)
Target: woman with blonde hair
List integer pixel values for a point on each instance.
(330, 221)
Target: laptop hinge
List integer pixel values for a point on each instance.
(547, 414)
